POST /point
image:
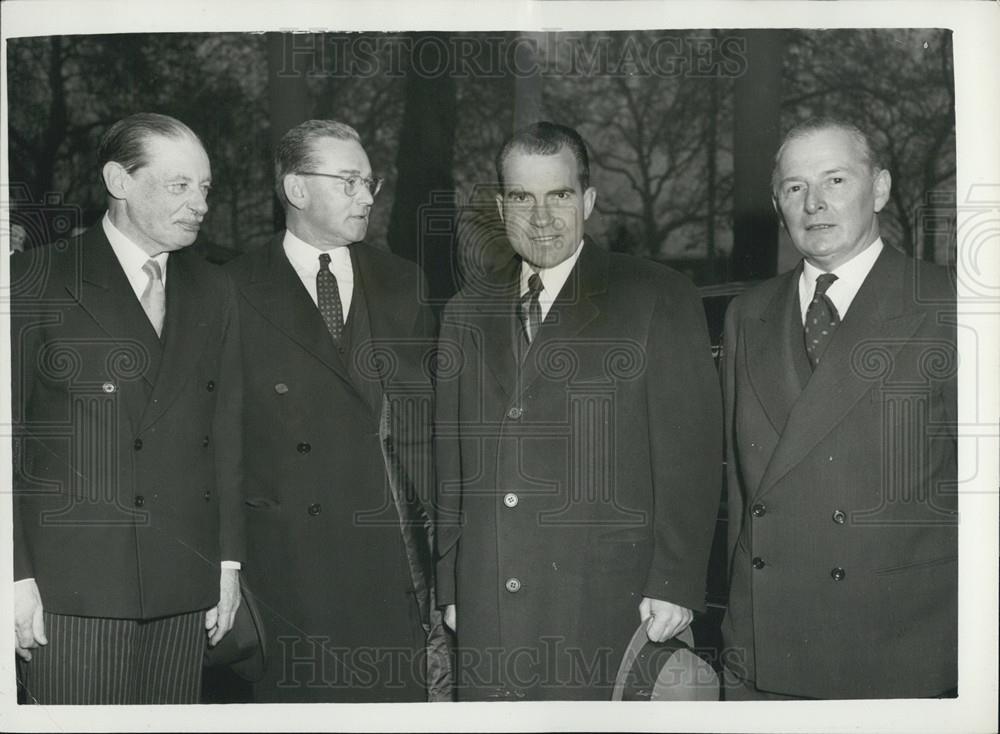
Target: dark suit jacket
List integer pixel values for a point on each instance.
(574, 484)
(127, 451)
(338, 558)
(848, 473)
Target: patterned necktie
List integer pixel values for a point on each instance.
(529, 310)
(821, 319)
(153, 298)
(328, 299)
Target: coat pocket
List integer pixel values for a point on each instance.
(915, 566)
(261, 503)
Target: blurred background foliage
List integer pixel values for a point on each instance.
(682, 126)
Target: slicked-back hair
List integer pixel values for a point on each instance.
(296, 150)
(125, 141)
(870, 151)
(546, 138)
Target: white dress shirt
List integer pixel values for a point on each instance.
(132, 257)
(850, 276)
(553, 279)
(305, 261)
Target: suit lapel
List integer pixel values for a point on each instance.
(770, 360)
(277, 293)
(107, 297)
(185, 330)
(496, 301)
(881, 319)
(367, 340)
(387, 302)
(576, 306)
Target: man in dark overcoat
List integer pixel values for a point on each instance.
(579, 445)
(337, 350)
(126, 402)
(840, 424)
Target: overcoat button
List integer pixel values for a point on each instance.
(303, 448)
(139, 500)
(108, 387)
(758, 563)
(315, 509)
(208, 496)
(137, 445)
(210, 386)
(758, 510)
(281, 388)
(839, 517)
(513, 585)
(514, 413)
(205, 442)
(838, 574)
(510, 499)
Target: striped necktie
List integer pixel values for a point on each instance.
(154, 298)
(529, 310)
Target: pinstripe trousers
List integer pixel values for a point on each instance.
(95, 660)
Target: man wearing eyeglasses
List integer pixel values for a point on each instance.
(337, 436)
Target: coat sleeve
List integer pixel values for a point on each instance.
(447, 452)
(24, 344)
(227, 429)
(684, 411)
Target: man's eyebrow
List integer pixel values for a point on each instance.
(827, 172)
(185, 177)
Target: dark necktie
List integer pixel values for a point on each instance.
(529, 310)
(821, 319)
(328, 299)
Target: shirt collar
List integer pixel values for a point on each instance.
(130, 255)
(305, 258)
(554, 278)
(851, 274)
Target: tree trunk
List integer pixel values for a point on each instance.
(421, 226)
(756, 133)
(528, 105)
(288, 96)
(55, 129)
(711, 170)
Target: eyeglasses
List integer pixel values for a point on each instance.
(352, 184)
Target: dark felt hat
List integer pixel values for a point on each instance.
(664, 671)
(244, 648)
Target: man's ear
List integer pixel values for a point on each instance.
(116, 179)
(882, 186)
(777, 211)
(589, 199)
(295, 190)
(499, 198)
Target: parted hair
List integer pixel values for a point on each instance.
(546, 138)
(871, 152)
(125, 141)
(295, 151)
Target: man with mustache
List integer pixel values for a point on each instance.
(579, 444)
(841, 426)
(336, 348)
(126, 403)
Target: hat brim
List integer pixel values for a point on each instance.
(664, 671)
